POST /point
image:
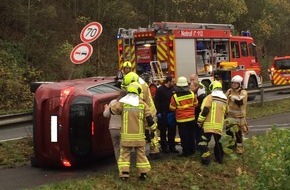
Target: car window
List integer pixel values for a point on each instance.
(103, 88)
(282, 64)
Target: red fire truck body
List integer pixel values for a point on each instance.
(181, 49)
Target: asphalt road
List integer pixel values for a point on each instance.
(29, 177)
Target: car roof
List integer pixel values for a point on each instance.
(80, 85)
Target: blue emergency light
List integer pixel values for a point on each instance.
(246, 33)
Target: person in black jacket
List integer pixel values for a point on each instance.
(162, 101)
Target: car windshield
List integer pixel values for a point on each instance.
(103, 88)
(282, 64)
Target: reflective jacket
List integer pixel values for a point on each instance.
(133, 117)
(184, 105)
(213, 111)
(237, 103)
(147, 97)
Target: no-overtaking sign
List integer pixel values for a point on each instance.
(81, 53)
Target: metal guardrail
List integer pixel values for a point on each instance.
(261, 91)
(6, 120)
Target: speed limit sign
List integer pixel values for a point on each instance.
(91, 32)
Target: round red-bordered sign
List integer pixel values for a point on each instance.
(91, 32)
(81, 53)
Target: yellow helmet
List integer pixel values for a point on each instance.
(129, 78)
(127, 64)
(214, 85)
(135, 88)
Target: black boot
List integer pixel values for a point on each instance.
(143, 176)
(124, 176)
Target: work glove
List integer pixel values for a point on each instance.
(147, 135)
(199, 124)
(239, 102)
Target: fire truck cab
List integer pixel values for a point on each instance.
(280, 71)
(181, 49)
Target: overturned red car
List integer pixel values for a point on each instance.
(68, 124)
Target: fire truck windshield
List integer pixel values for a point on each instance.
(282, 64)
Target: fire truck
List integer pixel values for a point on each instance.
(181, 49)
(280, 70)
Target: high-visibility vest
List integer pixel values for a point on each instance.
(213, 122)
(184, 107)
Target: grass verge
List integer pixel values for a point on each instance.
(264, 165)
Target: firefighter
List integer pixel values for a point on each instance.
(126, 67)
(147, 98)
(183, 103)
(211, 120)
(133, 111)
(237, 101)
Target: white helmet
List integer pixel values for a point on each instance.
(237, 79)
(182, 81)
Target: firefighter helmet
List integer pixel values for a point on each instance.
(237, 79)
(182, 82)
(135, 88)
(127, 64)
(129, 78)
(214, 85)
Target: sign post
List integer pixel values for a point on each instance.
(81, 53)
(91, 32)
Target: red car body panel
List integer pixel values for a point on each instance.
(69, 128)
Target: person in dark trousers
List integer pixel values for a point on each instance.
(211, 120)
(200, 93)
(162, 101)
(183, 103)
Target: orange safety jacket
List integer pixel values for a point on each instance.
(184, 106)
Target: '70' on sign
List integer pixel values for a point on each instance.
(91, 32)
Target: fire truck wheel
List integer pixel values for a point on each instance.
(252, 84)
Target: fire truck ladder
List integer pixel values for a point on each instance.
(156, 71)
(184, 25)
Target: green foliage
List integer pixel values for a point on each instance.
(15, 153)
(15, 78)
(268, 161)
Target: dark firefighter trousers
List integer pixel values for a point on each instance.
(204, 150)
